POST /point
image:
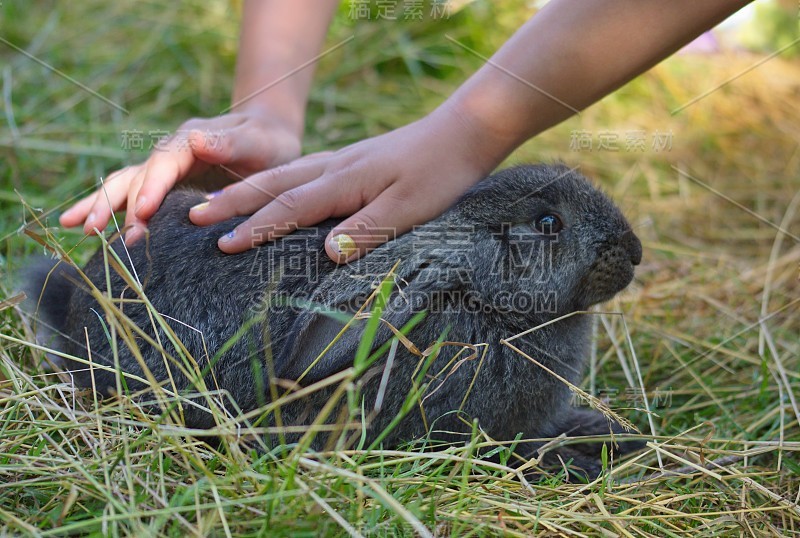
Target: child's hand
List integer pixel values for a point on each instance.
(242, 143)
(388, 184)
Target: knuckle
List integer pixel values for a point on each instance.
(291, 199)
(366, 232)
(269, 156)
(236, 210)
(402, 192)
(266, 178)
(193, 123)
(276, 171)
(367, 224)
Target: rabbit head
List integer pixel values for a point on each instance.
(549, 230)
(530, 242)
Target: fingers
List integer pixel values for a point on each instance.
(78, 212)
(248, 196)
(242, 146)
(304, 193)
(241, 143)
(153, 179)
(135, 227)
(95, 210)
(379, 222)
(304, 205)
(161, 172)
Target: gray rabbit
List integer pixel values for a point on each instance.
(523, 247)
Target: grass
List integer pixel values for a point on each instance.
(711, 323)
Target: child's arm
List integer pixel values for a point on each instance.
(567, 56)
(264, 127)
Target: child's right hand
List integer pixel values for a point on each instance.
(242, 143)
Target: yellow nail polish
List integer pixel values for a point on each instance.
(343, 245)
(200, 207)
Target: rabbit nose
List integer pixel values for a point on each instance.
(633, 246)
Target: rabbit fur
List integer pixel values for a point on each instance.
(494, 265)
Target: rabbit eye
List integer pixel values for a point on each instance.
(548, 224)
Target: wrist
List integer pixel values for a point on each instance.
(273, 115)
(278, 47)
(477, 139)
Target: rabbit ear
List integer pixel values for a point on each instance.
(312, 332)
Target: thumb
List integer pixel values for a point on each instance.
(245, 148)
(212, 146)
(367, 230)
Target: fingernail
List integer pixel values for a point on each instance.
(212, 195)
(227, 237)
(90, 219)
(140, 203)
(200, 207)
(343, 245)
